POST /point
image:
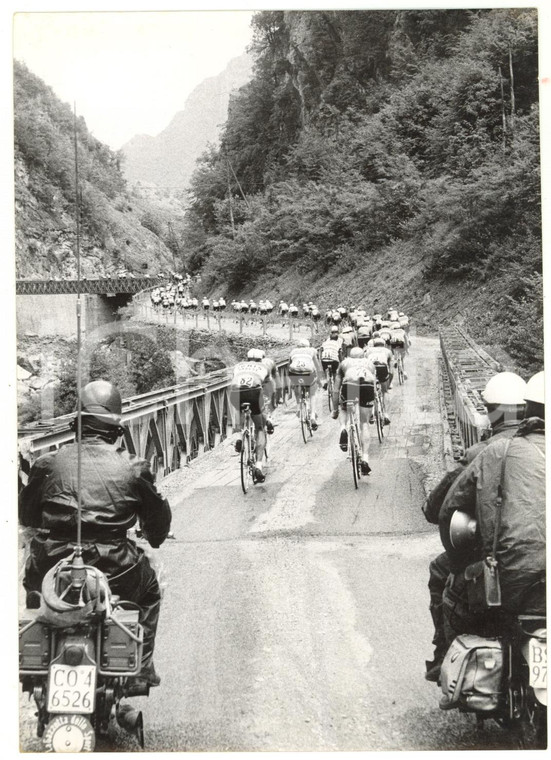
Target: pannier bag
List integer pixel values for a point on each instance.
(471, 674)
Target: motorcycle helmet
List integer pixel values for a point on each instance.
(505, 388)
(535, 389)
(101, 399)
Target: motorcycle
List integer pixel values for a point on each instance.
(502, 678)
(80, 653)
(501, 674)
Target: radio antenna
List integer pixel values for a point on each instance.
(78, 549)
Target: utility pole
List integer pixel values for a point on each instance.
(229, 197)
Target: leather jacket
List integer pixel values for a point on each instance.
(521, 541)
(117, 490)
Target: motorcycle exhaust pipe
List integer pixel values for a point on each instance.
(131, 720)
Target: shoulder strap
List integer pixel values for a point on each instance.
(499, 500)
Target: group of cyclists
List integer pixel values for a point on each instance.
(358, 358)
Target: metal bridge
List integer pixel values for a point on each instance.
(168, 427)
(97, 285)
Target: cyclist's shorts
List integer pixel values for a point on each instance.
(363, 340)
(397, 344)
(244, 395)
(364, 391)
(331, 364)
(307, 379)
(381, 370)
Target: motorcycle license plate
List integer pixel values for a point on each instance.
(72, 689)
(537, 660)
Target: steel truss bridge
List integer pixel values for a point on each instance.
(168, 427)
(98, 285)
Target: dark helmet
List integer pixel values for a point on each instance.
(102, 400)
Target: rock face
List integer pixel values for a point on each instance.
(169, 158)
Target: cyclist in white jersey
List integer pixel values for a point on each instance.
(331, 353)
(250, 381)
(305, 370)
(399, 344)
(355, 379)
(381, 360)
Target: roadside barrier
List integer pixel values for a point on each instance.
(466, 370)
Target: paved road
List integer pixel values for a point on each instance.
(295, 617)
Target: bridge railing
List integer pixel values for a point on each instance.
(168, 427)
(468, 368)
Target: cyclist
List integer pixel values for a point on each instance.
(269, 388)
(381, 361)
(304, 370)
(355, 379)
(331, 353)
(399, 344)
(364, 333)
(348, 336)
(403, 319)
(248, 384)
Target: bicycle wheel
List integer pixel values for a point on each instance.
(352, 443)
(400, 371)
(354, 454)
(330, 392)
(246, 456)
(303, 419)
(379, 420)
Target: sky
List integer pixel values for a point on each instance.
(128, 72)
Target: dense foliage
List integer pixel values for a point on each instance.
(370, 135)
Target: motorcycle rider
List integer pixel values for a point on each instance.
(117, 491)
(503, 398)
(516, 468)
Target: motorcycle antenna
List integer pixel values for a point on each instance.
(78, 573)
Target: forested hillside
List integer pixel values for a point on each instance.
(384, 156)
(118, 229)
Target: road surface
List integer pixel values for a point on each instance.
(295, 617)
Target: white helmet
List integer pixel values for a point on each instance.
(256, 354)
(303, 343)
(356, 352)
(505, 388)
(535, 389)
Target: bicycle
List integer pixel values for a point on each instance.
(248, 449)
(400, 368)
(304, 409)
(355, 453)
(329, 381)
(379, 411)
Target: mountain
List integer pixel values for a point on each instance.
(168, 160)
(118, 228)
